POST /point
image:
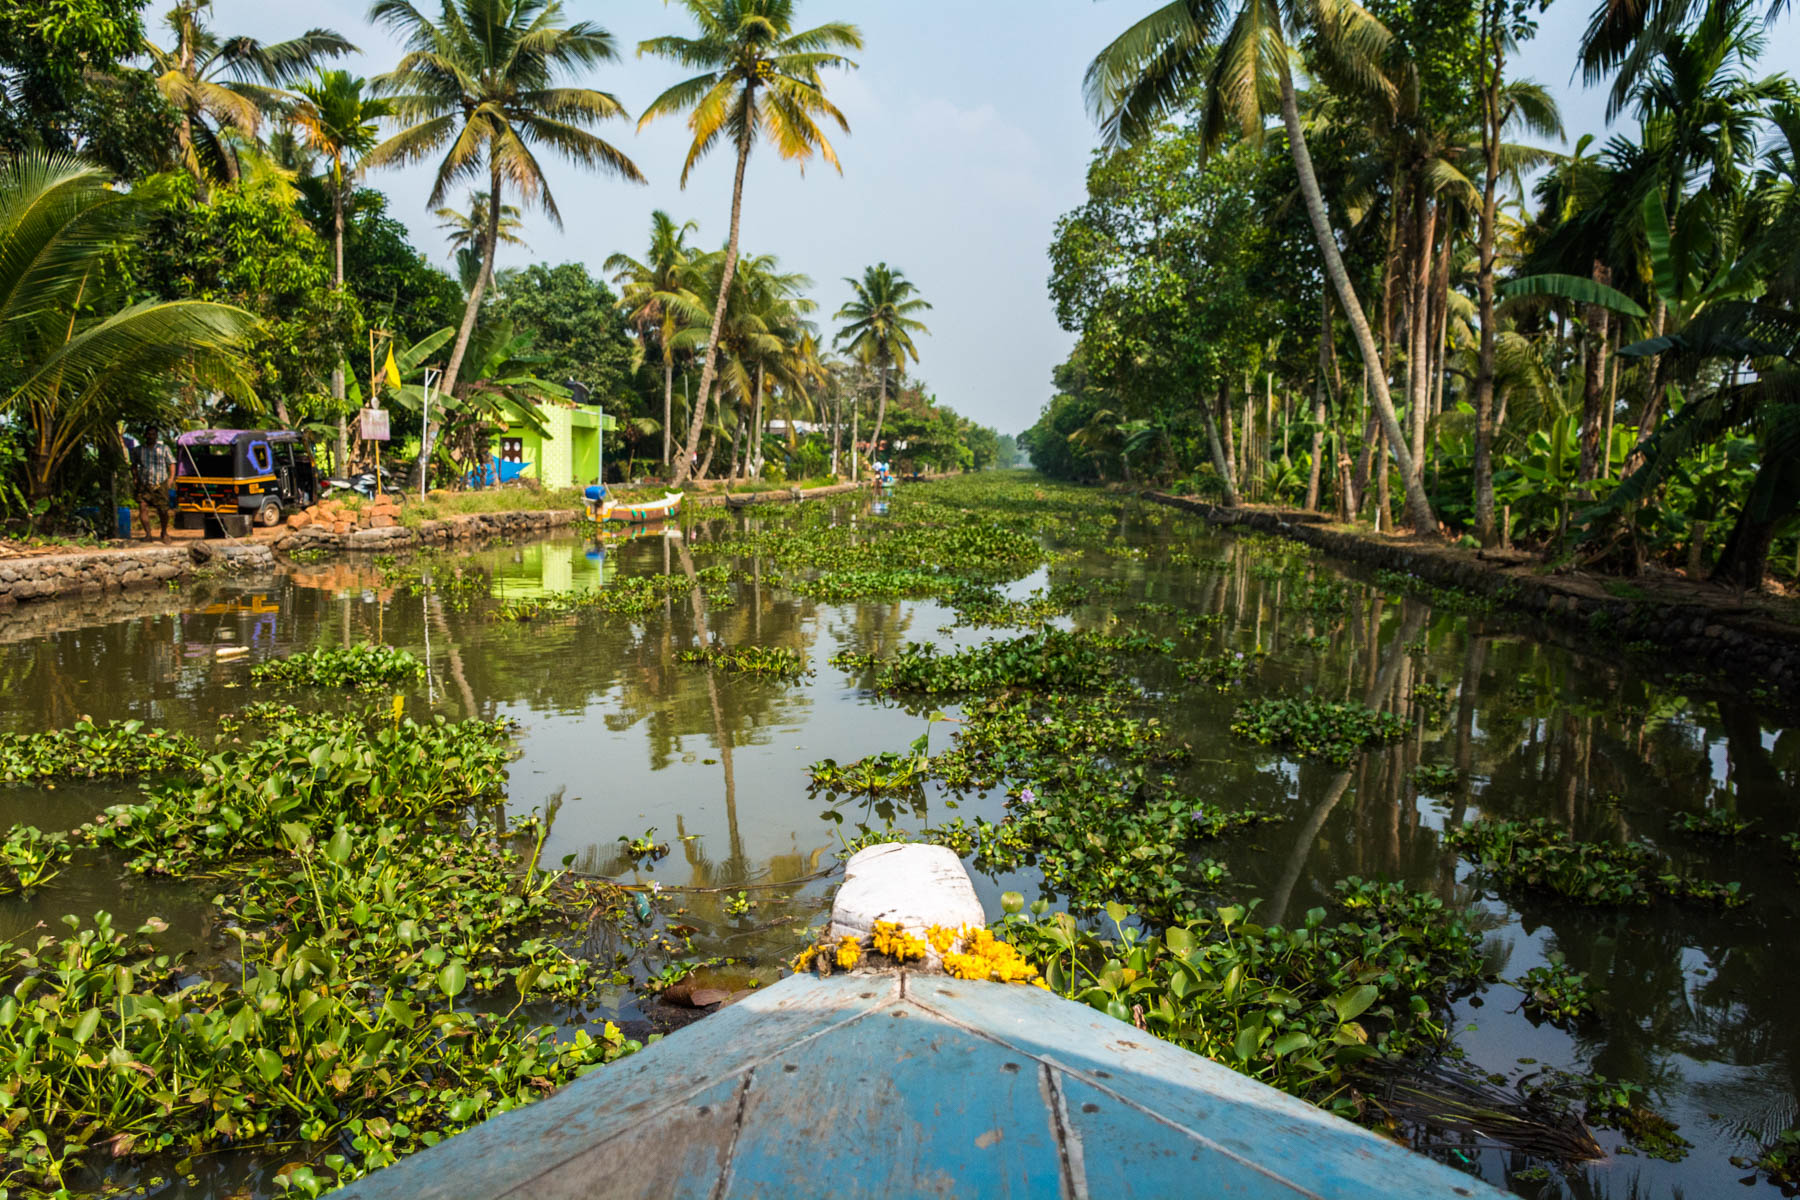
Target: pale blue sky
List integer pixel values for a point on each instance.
(968, 139)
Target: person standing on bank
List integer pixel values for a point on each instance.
(154, 476)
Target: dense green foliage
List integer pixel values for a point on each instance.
(1610, 376)
(386, 953)
(248, 166)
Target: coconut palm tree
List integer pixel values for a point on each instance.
(221, 87)
(482, 85)
(765, 309)
(464, 230)
(757, 77)
(1240, 59)
(881, 327)
(75, 357)
(657, 294)
(340, 124)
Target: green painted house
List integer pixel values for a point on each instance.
(565, 454)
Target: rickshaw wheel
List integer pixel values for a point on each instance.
(269, 515)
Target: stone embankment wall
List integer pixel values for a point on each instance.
(47, 576)
(1722, 638)
(383, 532)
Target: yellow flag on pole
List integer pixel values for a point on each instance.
(392, 371)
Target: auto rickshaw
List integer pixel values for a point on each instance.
(228, 477)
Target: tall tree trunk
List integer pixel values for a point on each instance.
(710, 369)
(1365, 458)
(1221, 463)
(1744, 560)
(1593, 384)
(1418, 362)
(1418, 509)
(668, 405)
(1247, 444)
(1318, 437)
(880, 414)
(1383, 498)
(1440, 308)
(837, 427)
(337, 370)
(490, 241)
(1231, 458)
(755, 448)
(1484, 277)
(1612, 405)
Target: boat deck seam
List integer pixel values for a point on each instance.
(1099, 1086)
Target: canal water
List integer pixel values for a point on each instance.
(618, 740)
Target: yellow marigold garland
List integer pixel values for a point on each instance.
(892, 940)
(983, 956)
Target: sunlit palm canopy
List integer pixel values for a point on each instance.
(230, 83)
(756, 76)
(765, 311)
(1229, 57)
(482, 85)
(337, 120)
(464, 230)
(74, 357)
(881, 318)
(657, 293)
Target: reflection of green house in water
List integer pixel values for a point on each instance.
(545, 568)
(565, 454)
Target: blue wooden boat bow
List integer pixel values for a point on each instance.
(911, 1084)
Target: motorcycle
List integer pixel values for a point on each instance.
(365, 484)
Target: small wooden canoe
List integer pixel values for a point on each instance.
(616, 512)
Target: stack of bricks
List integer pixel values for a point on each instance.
(333, 516)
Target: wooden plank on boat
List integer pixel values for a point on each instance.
(885, 1085)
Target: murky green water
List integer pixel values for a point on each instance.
(618, 738)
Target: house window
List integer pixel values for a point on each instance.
(512, 450)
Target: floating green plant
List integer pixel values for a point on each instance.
(1710, 823)
(1296, 1007)
(1556, 992)
(1434, 778)
(89, 751)
(1316, 728)
(1540, 856)
(30, 858)
(361, 666)
(780, 661)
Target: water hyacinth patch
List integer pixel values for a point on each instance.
(91, 751)
(1710, 823)
(1778, 1161)
(1556, 993)
(30, 858)
(1540, 856)
(1298, 1008)
(748, 660)
(360, 666)
(876, 584)
(351, 768)
(385, 951)
(629, 596)
(1316, 728)
(1050, 660)
(1224, 671)
(1434, 777)
(883, 772)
